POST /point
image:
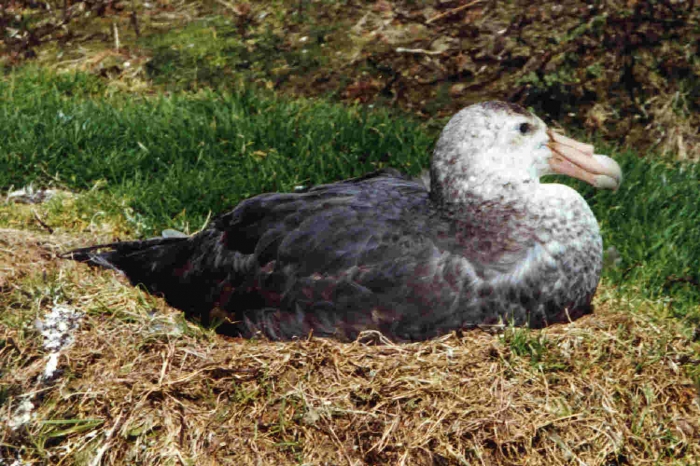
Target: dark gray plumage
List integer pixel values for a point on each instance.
(486, 244)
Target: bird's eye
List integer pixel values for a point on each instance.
(524, 128)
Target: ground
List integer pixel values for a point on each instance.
(137, 383)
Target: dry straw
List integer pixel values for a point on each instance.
(141, 386)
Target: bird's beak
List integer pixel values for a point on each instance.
(576, 159)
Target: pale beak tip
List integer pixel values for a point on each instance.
(606, 182)
(612, 179)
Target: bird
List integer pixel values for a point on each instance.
(482, 243)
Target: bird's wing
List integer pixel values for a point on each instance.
(361, 254)
(329, 228)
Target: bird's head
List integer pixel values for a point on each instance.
(498, 143)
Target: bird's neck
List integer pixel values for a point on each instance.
(486, 196)
(499, 220)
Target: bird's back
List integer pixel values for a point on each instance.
(333, 261)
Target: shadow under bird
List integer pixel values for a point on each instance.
(484, 242)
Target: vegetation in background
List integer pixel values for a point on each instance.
(28, 25)
(188, 155)
(627, 71)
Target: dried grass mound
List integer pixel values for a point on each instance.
(139, 385)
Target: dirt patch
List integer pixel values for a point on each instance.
(141, 385)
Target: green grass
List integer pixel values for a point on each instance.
(174, 160)
(652, 220)
(217, 52)
(177, 159)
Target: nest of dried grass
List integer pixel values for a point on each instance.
(140, 385)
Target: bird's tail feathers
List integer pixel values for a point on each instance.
(109, 255)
